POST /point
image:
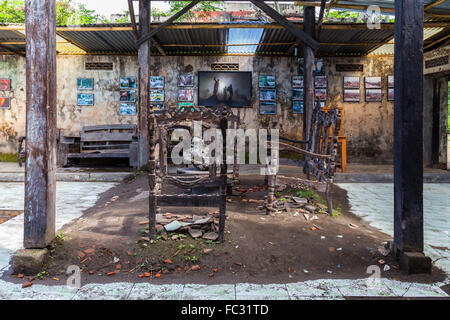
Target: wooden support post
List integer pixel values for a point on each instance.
(40, 169)
(309, 66)
(408, 137)
(147, 116)
(144, 79)
(223, 176)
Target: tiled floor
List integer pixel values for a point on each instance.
(375, 203)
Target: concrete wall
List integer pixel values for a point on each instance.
(369, 126)
(436, 83)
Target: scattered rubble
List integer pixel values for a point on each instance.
(205, 227)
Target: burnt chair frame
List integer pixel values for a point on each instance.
(177, 118)
(319, 157)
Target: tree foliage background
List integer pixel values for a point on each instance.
(67, 13)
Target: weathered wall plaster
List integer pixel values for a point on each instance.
(368, 126)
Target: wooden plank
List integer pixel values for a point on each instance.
(98, 136)
(188, 200)
(147, 35)
(320, 22)
(131, 127)
(98, 155)
(309, 66)
(133, 19)
(40, 169)
(408, 124)
(301, 35)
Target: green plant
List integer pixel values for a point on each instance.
(42, 274)
(60, 236)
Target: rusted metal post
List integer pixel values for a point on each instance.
(40, 168)
(144, 87)
(309, 66)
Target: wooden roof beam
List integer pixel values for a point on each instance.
(173, 18)
(291, 27)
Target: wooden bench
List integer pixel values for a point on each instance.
(319, 158)
(118, 141)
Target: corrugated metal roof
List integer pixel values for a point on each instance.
(209, 39)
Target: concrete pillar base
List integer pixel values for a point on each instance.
(414, 262)
(29, 261)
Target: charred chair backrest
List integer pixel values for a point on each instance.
(319, 153)
(320, 143)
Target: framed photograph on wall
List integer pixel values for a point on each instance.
(157, 82)
(352, 95)
(268, 95)
(391, 94)
(374, 95)
(5, 84)
(157, 95)
(297, 94)
(267, 81)
(267, 107)
(390, 81)
(319, 67)
(351, 82)
(321, 94)
(5, 103)
(85, 99)
(128, 82)
(321, 82)
(372, 83)
(157, 107)
(297, 81)
(127, 109)
(186, 95)
(128, 96)
(85, 84)
(301, 68)
(298, 107)
(186, 80)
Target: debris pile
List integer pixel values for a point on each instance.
(178, 226)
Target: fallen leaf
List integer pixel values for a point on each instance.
(168, 261)
(143, 223)
(179, 269)
(119, 266)
(147, 274)
(81, 254)
(90, 250)
(140, 275)
(110, 273)
(56, 279)
(158, 275)
(238, 264)
(27, 284)
(129, 253)
(84, 260)
(195, 268)
(91, 272)
(215, 270)
(207, 250)
(313, 228)
(211, 275)
(20, 275)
